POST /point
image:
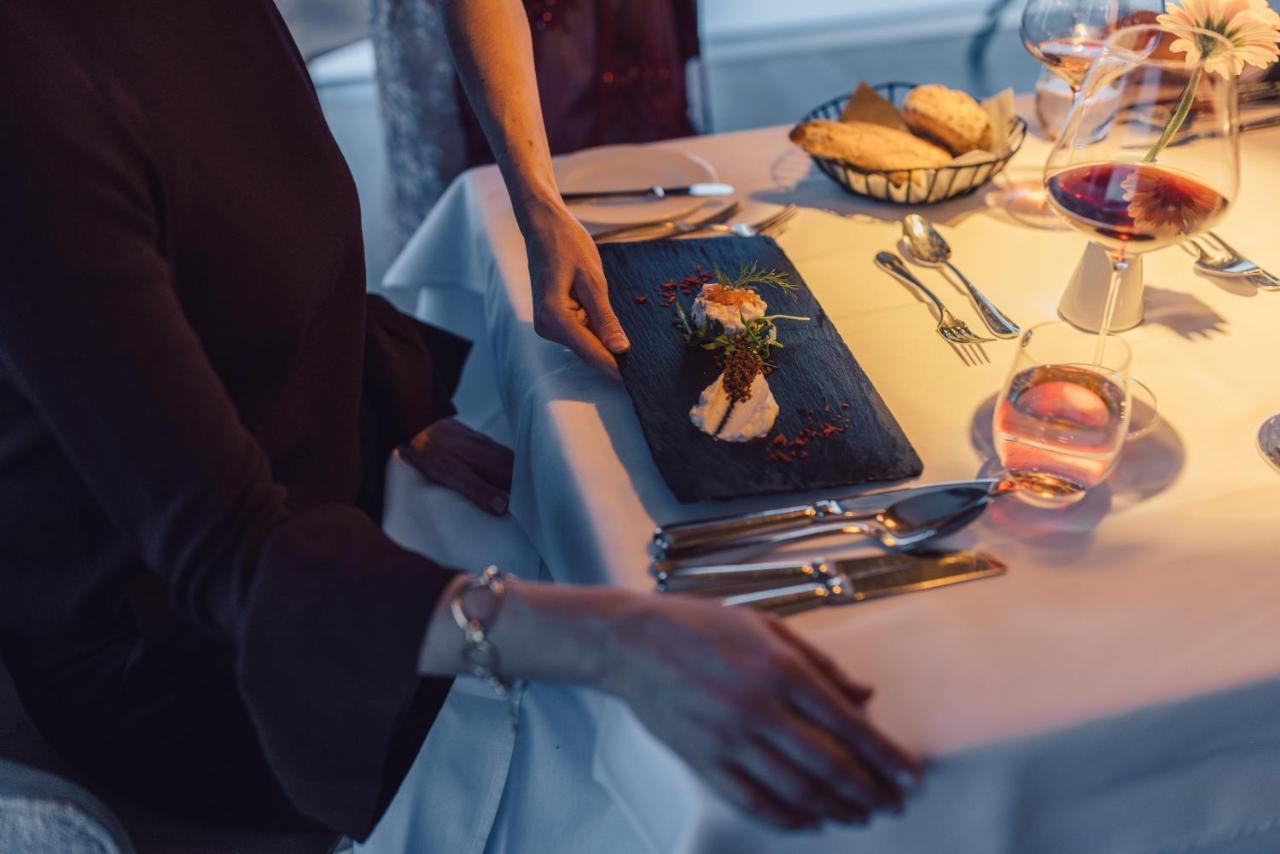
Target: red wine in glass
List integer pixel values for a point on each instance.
(1135, 207)
(1069, 58)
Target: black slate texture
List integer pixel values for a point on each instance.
(815, 375)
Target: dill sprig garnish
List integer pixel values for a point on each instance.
(758, 336)
(753, 274)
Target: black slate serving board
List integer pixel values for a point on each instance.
(816, 376)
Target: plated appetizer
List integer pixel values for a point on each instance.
(729, 317)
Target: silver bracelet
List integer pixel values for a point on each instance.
(480, 654)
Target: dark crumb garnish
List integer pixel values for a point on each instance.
(740, 369)
(787, 449)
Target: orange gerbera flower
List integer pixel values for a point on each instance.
(1165, 204)
(1252, 27)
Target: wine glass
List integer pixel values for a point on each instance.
(1158, 161)
(1066, 36)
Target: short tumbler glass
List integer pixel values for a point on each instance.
(1061, 419)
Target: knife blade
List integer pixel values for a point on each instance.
(681, 537)
(726, 580)
(860, 579)
(699, 190)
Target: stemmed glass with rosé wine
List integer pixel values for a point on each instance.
(1066, 36)
(1061, 420)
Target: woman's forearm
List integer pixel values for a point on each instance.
(767, 720)
(493, 52)
(544, 632)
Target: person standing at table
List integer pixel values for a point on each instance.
(609, 71)
(197, 404)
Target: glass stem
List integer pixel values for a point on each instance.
(1180, 114)
(1119, 265)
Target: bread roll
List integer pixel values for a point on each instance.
(868, 146)
(951, 117)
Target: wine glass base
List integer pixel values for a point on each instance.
(1045, 490)
(1144, 412)
(1027, 202)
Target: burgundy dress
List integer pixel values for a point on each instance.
(197, 402)
(609, 71)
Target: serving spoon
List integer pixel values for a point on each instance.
(931, 249)
(1269, 440)
(905, 524)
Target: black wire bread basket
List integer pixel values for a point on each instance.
(926, 185)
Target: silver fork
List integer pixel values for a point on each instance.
(667, 228)
(1211, 261)
(764, 226)
(952, 329)
(1260, 276)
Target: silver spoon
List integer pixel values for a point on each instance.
(1269, 440)
(929, 248)
(907, 523)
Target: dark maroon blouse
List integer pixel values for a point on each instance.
(197, 402)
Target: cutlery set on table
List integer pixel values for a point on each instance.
(929, 249)
(704, 558)
(717, 222)
(1214, 257)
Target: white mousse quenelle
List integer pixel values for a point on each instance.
(719, 415)
(731, 307)
(738, 406)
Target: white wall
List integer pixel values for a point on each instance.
(766, 62)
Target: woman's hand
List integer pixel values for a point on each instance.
(764, 718)
(570, 298)
(769, 722)
(453, 455)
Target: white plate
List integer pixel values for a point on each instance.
(630, 167)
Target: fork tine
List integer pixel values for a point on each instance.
(947, 335)
(969, 336)
(775, 219)
(714, 222)
(1206, 249)
(787, 213)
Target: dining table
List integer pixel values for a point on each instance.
(1117, 690)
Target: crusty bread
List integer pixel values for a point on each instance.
(868, 105)
(868, 146)
(949, 116)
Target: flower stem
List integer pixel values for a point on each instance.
(1179, 116)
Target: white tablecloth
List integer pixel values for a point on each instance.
(1118, 691)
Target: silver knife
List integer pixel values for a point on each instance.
(680, 536)
(727, 579)
(716, 579)
(849, 581)
(699, 190)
